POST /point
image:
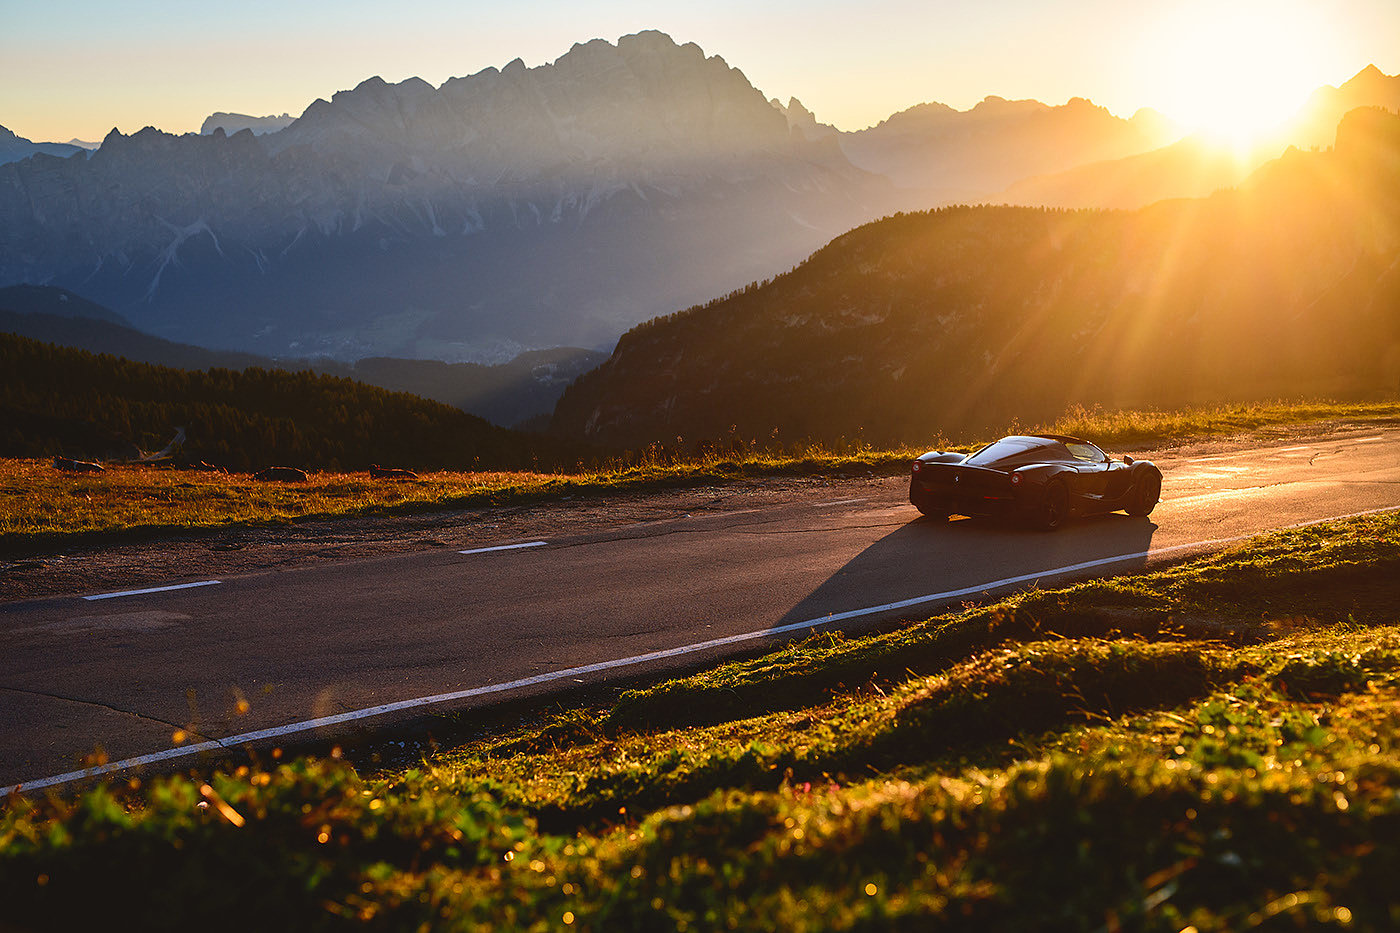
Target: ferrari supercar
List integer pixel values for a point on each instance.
(1043, 478)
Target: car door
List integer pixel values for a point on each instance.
(1119, 477)
(1092, 469)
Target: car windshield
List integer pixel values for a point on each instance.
(1004, 449)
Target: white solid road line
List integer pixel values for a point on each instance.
(355, 715)
(504, 547)
(818, 505)
(1370, 440)
(154, 589)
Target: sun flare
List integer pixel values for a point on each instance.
(1236, 71)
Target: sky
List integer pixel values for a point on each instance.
(79, 68)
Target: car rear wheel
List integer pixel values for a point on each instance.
(1055, 507)
(1149, 491)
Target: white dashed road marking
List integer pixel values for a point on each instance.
(154, 589)
(504, 547)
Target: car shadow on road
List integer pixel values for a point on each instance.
(926, 564)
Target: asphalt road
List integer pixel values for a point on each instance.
(270, 652)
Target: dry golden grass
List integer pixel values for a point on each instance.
(1148, 427)
(38, 501)
(42, 505)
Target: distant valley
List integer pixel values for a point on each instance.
(506, 394)
(61, 401)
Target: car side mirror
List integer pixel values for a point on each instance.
(1128, 460)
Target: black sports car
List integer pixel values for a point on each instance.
(1044, 478)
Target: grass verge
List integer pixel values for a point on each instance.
(43, 508)
(1211, 746)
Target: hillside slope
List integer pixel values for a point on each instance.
(962, 318)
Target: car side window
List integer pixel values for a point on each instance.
(1086, 452)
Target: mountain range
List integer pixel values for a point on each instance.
(232, 123)
(515, 208)
(13, 148)
(960, 319)
(1194, 167)
(960, 156)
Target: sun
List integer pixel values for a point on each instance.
(1236, 71)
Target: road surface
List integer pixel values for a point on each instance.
(279, 654)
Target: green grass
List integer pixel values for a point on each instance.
(1212, 745)
(43, 508)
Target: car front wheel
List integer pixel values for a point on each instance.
(1148, 493)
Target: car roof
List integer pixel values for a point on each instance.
(1037, 440)
(1062, 438)
(1051, 447)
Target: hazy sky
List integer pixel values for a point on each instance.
(77, 68)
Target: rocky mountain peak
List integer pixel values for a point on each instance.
(656, 43)
(803, 122)
(994, 107)
(644, 100)
(1368, 78)
(231, 123)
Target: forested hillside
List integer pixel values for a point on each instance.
(55, 400)
(962, 318)
(505, 394)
